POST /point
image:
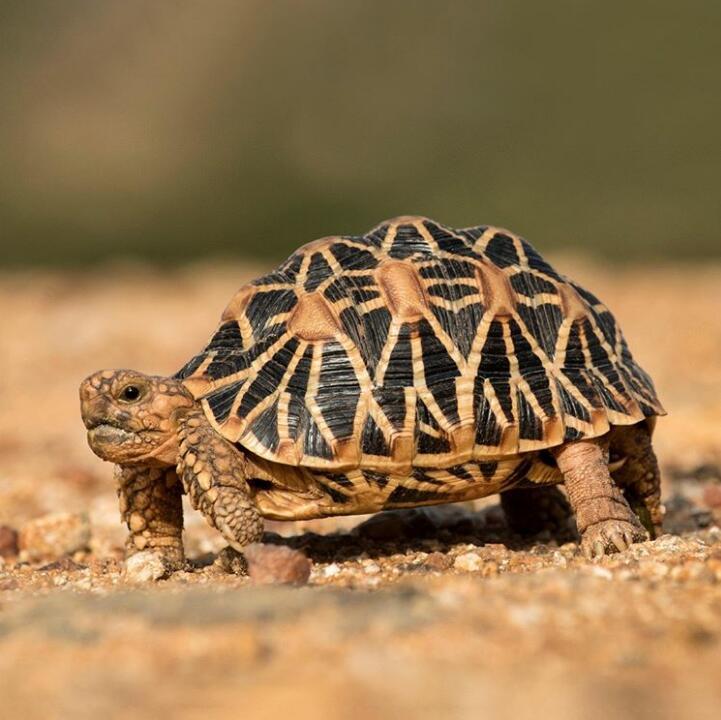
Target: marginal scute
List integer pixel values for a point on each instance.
(402, 289)
(553, 431)
(313, 320)
(346, 451)
(463, 439)
(412, 349)
(509, 440)
(236, 307)
(287, 452)
(402, 449)
(599, 421)
(198, 385)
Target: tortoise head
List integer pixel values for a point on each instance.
(132, 418)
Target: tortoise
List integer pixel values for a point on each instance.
(412, 365)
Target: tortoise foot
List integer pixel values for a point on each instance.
(610, 536)
(231, 561)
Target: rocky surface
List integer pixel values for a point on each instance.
(54, 536)
(431, 613)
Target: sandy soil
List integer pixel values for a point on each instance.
(441, 613)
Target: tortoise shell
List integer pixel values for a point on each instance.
(415, 345)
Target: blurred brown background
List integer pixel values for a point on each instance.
(168, 130)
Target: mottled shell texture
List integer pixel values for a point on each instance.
(415, 345)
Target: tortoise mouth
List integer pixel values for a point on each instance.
(102, 430)
(95, 423)
(109, 442)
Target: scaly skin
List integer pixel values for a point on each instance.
(639, 476)
(213, 474)
(151, 505)
(605, 521)
(133, 431)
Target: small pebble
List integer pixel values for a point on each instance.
(145, 567)
(65, 564)
(272, 564)
(468, 562)
(54, 536)
(712, 496)
(490, 568)
(437, 561)
(8, 541)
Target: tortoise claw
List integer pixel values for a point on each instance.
(610, 536)
(593, 550)
(618, 538)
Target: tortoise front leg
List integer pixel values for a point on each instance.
(214, 475)
(151, 505)
(605, 521)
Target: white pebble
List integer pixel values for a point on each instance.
(145, 567)
(468, 562)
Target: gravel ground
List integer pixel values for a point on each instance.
(440, 612)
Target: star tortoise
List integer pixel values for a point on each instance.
(413, 365)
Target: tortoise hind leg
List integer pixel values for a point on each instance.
(531, 510)
(639, 477)
(605, 521)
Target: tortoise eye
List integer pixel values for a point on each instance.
(130, 393)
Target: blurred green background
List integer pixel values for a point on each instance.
(170, 130)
